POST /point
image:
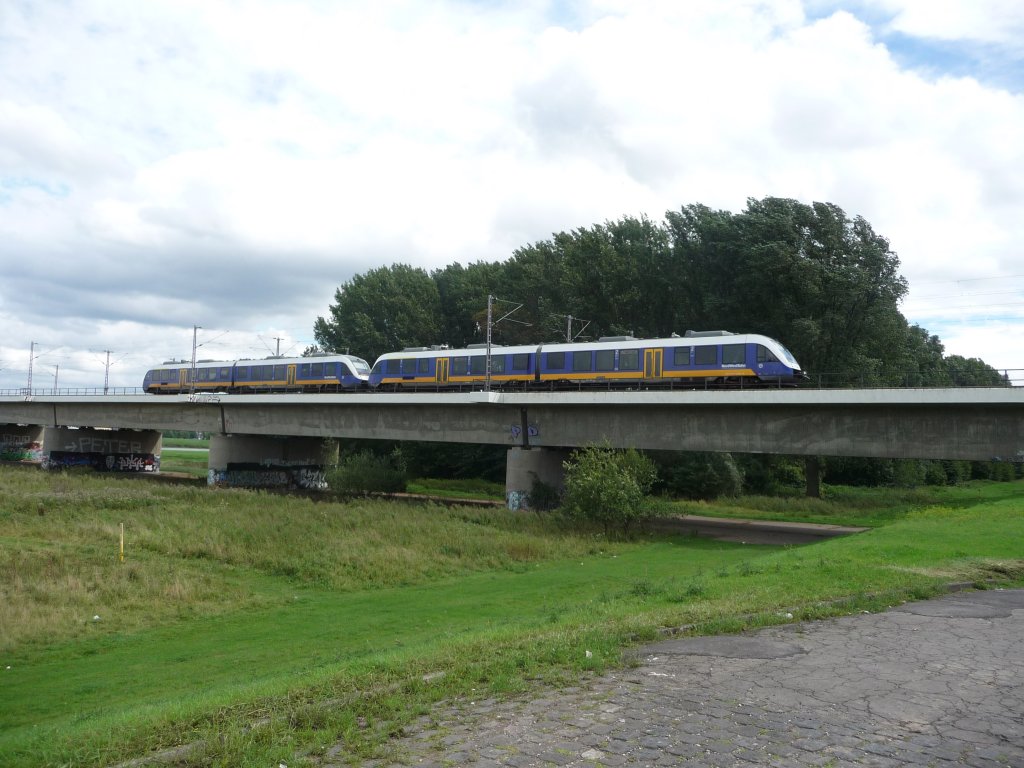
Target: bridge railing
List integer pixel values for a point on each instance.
(1007, 377)
(71, 391)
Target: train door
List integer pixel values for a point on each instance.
(183, 378)
(441, 370)
(653, 359)
(291, 375)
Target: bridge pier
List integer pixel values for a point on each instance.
(526, 466)
(21, 442)
(264, 461)
(105, 450)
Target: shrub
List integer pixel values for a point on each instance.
(698, 475)
(366, 472)
(608, 487)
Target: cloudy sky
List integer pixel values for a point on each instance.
(229, 163)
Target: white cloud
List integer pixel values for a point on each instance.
(179, 162)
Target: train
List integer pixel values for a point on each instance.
(696, 359)
(316, 374)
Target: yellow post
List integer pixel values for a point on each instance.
(122, 542)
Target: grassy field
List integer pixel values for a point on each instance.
(193, 463)
(263, 629)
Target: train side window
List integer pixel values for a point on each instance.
(629, 359)
(734, 354)
(520, 362)
(409, 365)
(765, 355)
(460, 366)
(497, 364)
(605, 360)
(316, 370)
(681, 356)
(478, 365)
(581, 360)
(241, 373)
(556, 360)
(706, 355)
(279, 372)
(225, 374)
(423, 365)
(393, 366)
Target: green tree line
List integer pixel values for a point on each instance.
(824, 283)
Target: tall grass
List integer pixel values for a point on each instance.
(265, 629)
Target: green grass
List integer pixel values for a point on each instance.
(458, 488)
(265, 628)
(186, 442)
(193, 463)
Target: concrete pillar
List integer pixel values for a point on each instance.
(526, 466)
(105, 450)
(262, 461)
(22, 442)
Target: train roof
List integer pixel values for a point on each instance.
(260, 361)
(697, 339)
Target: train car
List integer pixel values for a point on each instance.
(442, 368)
(318, 373)
(700, 358)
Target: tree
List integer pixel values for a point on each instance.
(462, 293)
(608, 487)
(381, 311)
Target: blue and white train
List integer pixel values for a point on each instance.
(319, 373)
(698, 359)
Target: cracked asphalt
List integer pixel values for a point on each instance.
(933, 683)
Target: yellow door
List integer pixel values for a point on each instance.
(183, 377)
(441, 371)
(291, 375)
(653, 363)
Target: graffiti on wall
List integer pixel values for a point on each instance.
(307, 477)
(103, 462)
(14, 447)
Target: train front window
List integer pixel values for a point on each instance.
(733, 354)
(359, 364)
(706, 355)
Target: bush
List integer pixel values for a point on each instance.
(366, 472)
(608, 487)
(698, 475)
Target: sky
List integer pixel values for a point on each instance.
(228, 164)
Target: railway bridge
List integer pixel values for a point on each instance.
(539, 427)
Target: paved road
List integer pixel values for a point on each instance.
(934, 683)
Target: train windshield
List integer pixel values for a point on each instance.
(360, 365)
(788, 357)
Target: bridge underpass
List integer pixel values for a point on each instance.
(961, 423)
